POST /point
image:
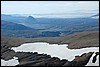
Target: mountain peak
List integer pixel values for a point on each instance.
(95, 16)
(31, 18)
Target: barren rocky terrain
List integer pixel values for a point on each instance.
(75, 41)
(35, 59)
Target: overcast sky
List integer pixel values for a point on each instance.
(45, 7)
(50, 7)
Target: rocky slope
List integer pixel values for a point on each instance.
(35, 59)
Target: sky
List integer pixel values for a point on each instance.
(50, 7)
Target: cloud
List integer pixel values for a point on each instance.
(44, 7)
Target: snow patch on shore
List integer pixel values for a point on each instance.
(11, 62)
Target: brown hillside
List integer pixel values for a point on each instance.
(79, 40)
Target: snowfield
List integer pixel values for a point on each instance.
(11, 62)
(55, 50)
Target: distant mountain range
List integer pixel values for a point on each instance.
(10, 29)
(30, 27)
(5, 25)
(95, 15)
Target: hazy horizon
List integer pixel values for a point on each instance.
(51, 8)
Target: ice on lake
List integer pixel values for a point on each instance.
(56, 50)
